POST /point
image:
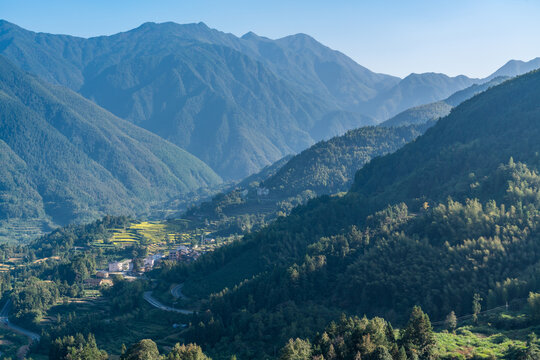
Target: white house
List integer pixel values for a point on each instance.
(119, 266)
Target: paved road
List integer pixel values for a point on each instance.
(155, 303)
(4, 319)
(176, 291)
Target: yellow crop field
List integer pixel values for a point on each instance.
(157, 236)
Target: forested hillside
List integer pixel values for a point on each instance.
(65, 159)
(449, 215)
(328, 167)
(436, 110)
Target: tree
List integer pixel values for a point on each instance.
(402, 355)
(186, 352)
(476, 306)
(417, 337)
(451, 321)
(145, 349)
(76, 348)
(297, 349)
(381, 353)
(534, 305)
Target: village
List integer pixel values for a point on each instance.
(131, 269)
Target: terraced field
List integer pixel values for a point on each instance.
(156, 236)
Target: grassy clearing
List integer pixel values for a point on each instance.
(497, 333)
(466, 344)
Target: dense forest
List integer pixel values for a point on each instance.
(464, 220)
(327, 167)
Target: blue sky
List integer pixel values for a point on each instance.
(471, 37)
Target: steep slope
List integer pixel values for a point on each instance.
(222, 98)
(328, 167)
(476, 137)
(65, 159)
(265, 173)
(436, 110)
(320, 70)
(238, 104)
(396, 239)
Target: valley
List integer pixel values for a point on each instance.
(176, 192)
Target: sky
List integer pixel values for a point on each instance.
(397, 37)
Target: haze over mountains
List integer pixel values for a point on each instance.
(65, 159)
(234, 105)
(238, 104)
(423, 113)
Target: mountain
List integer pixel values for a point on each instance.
(320, 70)
(264, 173)
(436, 110)
(328, 167)
(416, 90)
(236, 103)
(449, 215)
(65, 159)
(419, 114)
(516, 67)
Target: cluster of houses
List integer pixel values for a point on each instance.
(183, 253)
(123, 266)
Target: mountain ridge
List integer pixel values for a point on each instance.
(89, 162)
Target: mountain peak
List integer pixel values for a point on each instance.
(516, 67)
(171, 25)
(4, 24)
(250, 35)
(300, 37)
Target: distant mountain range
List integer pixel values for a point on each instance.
(65, 159)
(238, 104)
(432, 111)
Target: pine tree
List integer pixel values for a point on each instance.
(417, 337)
(451, 321)
(297, 349)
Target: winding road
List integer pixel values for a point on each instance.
(157, 304)
(5, 320)
(32, 336)
(176, 291)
